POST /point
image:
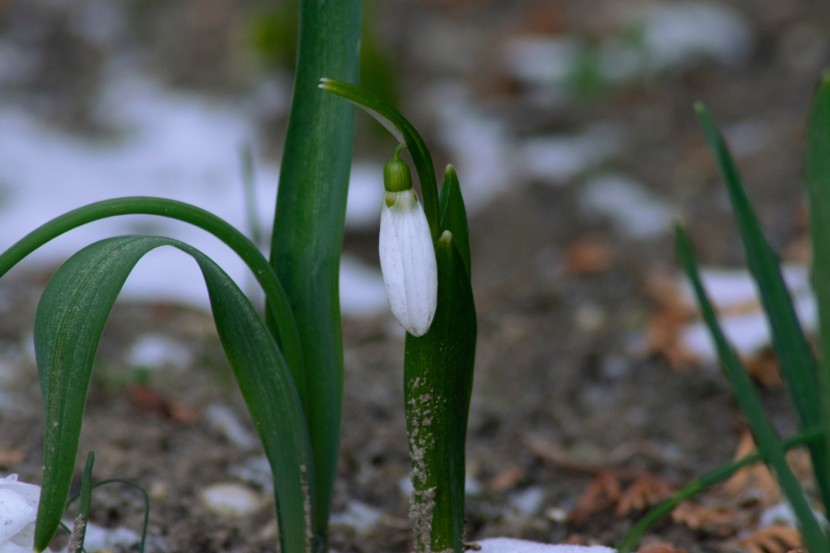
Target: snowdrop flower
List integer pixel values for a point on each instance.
(18, 510)
(407, 256)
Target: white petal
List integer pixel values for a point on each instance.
(407, 261)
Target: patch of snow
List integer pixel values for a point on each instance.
(678, 34)
(558, 159)
(154, 351)
(257, 471)
(171, 144)
(541, 59)
(103, 540)
(480, 146)
(230, 499)
(225, 421)
(746, 326)
(527, 502)
(359, 516)
(510, 545)
(628, 205)
(650, 37)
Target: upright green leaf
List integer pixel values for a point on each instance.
(817, 169)
(308, 224)
(798, 366)
(454, 215)
(438, 379)
(762, 430)
(68, 325)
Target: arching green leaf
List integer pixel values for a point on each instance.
(70, 318)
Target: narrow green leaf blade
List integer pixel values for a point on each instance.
(817, 171)
(798, 366)
(272, 400)
(454, 215)
(762, 430)
(68, 325)
(438, 379)
(404, 132)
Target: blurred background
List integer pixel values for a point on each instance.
(570, 123)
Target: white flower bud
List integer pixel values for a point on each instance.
(407, 261)
(18, 511)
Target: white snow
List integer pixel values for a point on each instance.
(170, 144)
(510, 545)
(628, 204)
(745, 325)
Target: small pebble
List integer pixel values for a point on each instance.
(230, 499)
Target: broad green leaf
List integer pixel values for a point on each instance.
(70, 318)
(308, 228)
(769, 444)
(438, 379)
(798, 366)
(404, 132)
(454, 215)
(280, 316)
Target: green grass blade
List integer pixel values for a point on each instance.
(764, 434)
(715, 476)
(308, 227)
(454, 215)
(817, 170)
(798, 366)
(281, 317)
(68, 325)
(404, 132)
(438, 379)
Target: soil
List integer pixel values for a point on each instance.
(566, 384)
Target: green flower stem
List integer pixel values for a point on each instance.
(404, 132)
(309, 220)
(283, 327)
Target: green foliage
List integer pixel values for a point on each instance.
(438, 366)
(806, 379)
(68, 326)
(289, 363)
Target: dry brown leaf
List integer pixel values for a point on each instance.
(644, 491)
(601, 494)
(148, 399)
(777, 538)
(627, 490)
(756, 482)
(506, 479)
(718, 520)
(764, 368)
(588, 255)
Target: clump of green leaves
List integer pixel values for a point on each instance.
(807, 377)
(288, 363)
